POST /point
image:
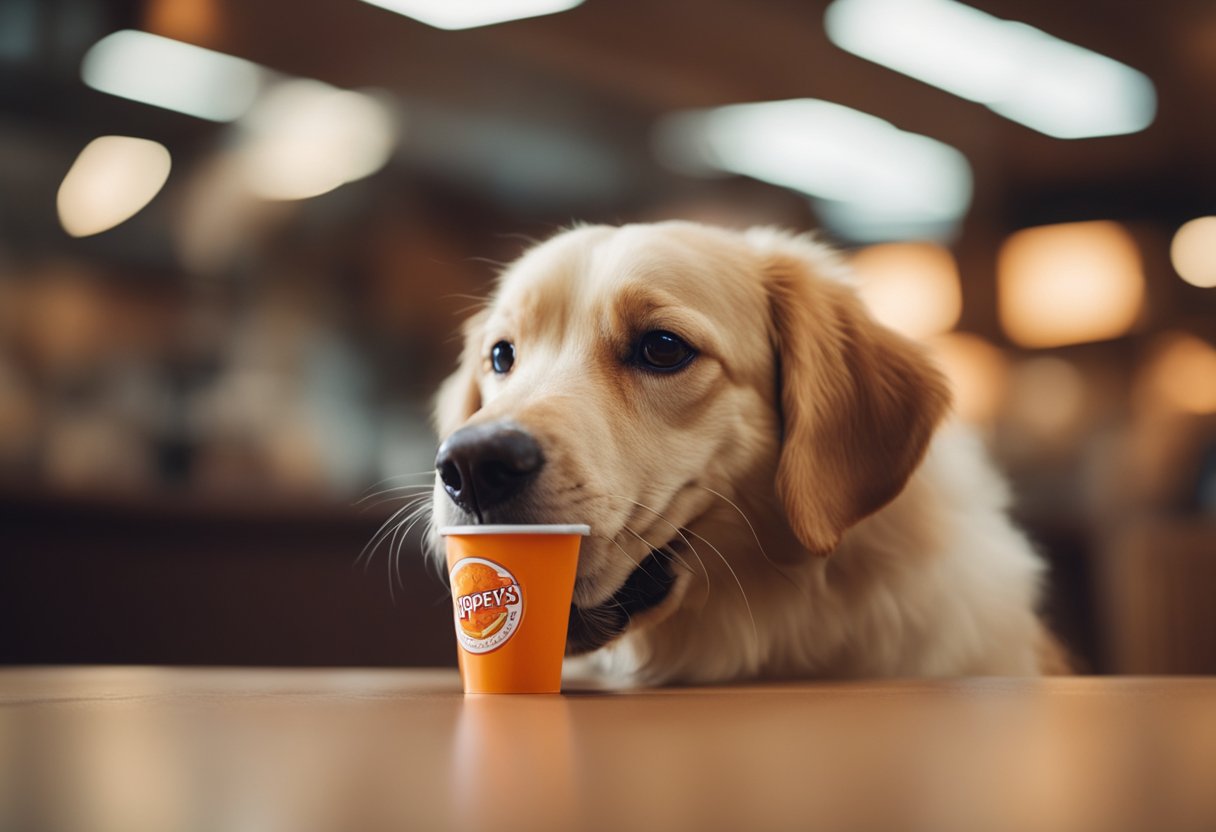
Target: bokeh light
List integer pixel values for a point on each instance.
(1182, 372)
(110, 181)
(976, 370)
(911, 287)
(1048, 394)
(305, 138)
(1069, 284)
(871, 180)
(1193, 252)
(168, 73)
(468, 14)
(1021, 72)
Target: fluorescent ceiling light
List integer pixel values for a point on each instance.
(168, 73)
(466, 14)
(866, 170)
(305, 138)
(1021, 72)
(110, 181)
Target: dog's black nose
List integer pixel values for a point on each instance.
(484, 465)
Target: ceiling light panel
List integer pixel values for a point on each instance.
(171, 74)
(467, 14)
(1016, 70)
(869, 176)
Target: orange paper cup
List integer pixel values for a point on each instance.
(511, 593)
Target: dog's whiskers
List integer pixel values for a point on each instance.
(742, 592)
(472, 307)
(661, 517)
(396, 491)
(385, 528)
(392, 530)
(751, 528)
(648, 545)
(672, 555)
(394, 549)
(666, 550)
(638, 565)
(738, 583)
(434, 554)
(401, 492)
(478, 303)
(392, 545)
(628, 557)
(428, 473)
(594, 619)
(421, 512)
(625, 612)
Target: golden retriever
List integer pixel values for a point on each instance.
(770, 487)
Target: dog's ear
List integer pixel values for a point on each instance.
(858, 402)
(459, 396)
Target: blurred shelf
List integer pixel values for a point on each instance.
(174, 579)
(233, 506)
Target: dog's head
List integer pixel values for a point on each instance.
(635, 378)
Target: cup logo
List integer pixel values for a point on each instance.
(488, 603)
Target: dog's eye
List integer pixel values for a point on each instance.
(660, 350)
(502, 357)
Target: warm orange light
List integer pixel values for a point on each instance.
(976, 370)
(1193, 252)
(911, 287)
(197, 20)
(1069, 284)
(1183, 373)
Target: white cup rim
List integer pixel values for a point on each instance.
(521, 529)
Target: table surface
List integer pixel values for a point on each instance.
(165, 749)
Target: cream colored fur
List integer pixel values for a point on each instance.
(826, 522)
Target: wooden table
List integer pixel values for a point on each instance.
(166, 749)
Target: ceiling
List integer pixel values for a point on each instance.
(604, 71)
(615, 65)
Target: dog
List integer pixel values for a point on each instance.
(773, 484)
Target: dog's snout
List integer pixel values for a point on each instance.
(482, 466)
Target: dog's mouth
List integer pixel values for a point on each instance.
(646, 587)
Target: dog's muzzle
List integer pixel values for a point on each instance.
(645, 588)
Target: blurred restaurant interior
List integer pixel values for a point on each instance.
(237, 238)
